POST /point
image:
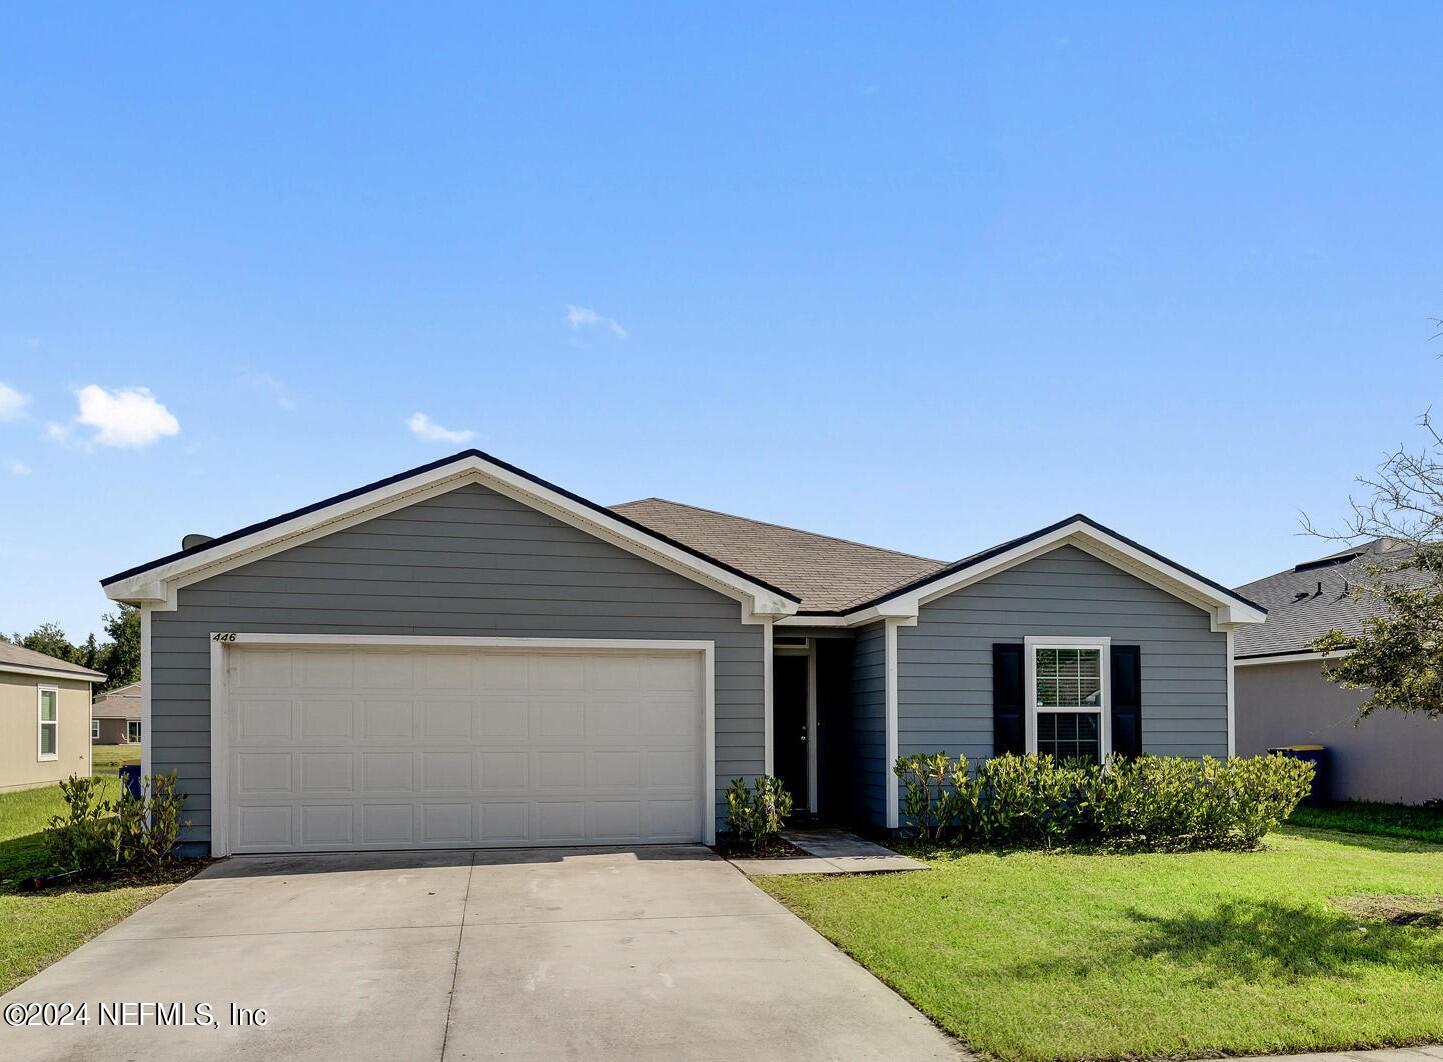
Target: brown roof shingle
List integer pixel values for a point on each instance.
(19, 659)
(828, 574)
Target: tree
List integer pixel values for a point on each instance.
(120, 657)
(1398, 656)
(49, 639)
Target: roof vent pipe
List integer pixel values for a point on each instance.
(195, 539)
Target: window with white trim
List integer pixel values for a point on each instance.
(1068, 698)
(95, 730)
(132, 730)
(48, 711)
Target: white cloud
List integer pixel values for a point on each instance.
(126, 417)
(19, 468)
(12, 402)
(423, 427)
(579, 317)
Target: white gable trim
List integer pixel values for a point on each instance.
(157, 586)
(1226, 611)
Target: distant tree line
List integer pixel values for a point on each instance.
(118, 656)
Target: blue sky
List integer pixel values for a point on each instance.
(927, 276)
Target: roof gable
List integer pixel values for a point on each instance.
(158, 581)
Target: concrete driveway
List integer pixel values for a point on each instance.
(653, 953)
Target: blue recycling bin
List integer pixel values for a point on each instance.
(130, 779)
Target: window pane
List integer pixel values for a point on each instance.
(1070, 735)
(1069, 678)
(47, 705)
(47, 739)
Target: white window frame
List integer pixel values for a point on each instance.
(41, 723)
(1104, 647)
(94, 729)
(138, 731)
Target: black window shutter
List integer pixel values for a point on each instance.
(1007, 707)
(1127, 700)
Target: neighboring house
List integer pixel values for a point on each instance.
(1283, 697)
(115, 716)
(464, 654)
(44, 718)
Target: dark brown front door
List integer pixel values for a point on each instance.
(789, 724)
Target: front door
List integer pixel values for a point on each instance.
(789, 724)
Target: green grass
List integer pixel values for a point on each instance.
(38, 928)
(1088, 956)
(105, 760)
(1385, 820)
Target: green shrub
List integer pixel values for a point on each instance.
(1158, 803)
(85, 838)
(148, 826)
(755, 816)
(99, 837)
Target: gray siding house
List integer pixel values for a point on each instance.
(467, 655)
(1284, 697)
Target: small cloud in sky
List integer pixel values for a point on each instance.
(579, 317)
(19, 468)
(12, 402)
(264, 383)
(871, 90)
(128, 417)
(423, 427)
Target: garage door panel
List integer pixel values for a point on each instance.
(323, 669)
(327, 772)
(327, 824)
(388, 825)
(361, 748)
(262, 720)
(383, 771)
(326, 719)
(446, 719)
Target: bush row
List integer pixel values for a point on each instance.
(1157, 803)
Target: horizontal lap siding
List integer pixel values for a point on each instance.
(468, 563)
(944, 684)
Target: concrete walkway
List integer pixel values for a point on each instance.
(646, 954)
(829, 851)
(1395, 1054)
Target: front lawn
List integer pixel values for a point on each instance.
(1037, 956)
(1387, 820)
(38, 928)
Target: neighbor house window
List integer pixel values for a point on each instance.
(1067, 709)
(95, 730)
(49, 723)
(132, 730)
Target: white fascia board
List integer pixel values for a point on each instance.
(44, 672)
(157, 586)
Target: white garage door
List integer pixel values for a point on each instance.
(354, 748)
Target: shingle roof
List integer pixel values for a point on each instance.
(1313, 598)
(123, 702)
(16, 658)
(827, 573)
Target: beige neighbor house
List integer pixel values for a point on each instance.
(1284, 698)
(44, 718)
(115, 716)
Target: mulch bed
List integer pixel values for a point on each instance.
(778, 849)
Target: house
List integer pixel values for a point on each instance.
(44, 718)
(1284, 698)
(465, 654)
(115, 716)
